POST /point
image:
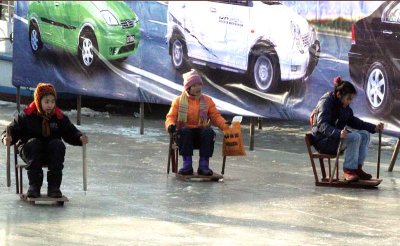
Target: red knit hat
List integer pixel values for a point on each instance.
(191, 78)
(43, 89)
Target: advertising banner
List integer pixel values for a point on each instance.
(257, 58)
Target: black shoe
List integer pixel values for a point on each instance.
(35, 178)
(54, 181)
(205, 172)
(183, 171)
(33, 191)
(54, 192)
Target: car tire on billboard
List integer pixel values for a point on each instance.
(35, 38)
(264, 73)
(179, 53)
(87, 45)
(377, 89)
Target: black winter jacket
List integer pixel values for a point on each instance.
(330, 119)
(29, 125)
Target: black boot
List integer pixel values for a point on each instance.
(35, 182)
(54, 181)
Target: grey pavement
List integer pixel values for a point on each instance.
(266, 198)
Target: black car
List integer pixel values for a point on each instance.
(374, 57)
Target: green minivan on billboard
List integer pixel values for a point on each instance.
(85, 27)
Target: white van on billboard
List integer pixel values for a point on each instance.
(264, 39)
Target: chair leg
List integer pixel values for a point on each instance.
(322, 164)
(174, 160)
(314, 169)
(223, 165)
(329, 164)
(337, 171)
(21, 191)
(16, 170)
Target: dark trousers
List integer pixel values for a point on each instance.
(196, 138)
(37, 153)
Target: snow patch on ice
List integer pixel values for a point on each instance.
(87, 112)
(133, 132)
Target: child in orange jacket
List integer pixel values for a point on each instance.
(190, 114)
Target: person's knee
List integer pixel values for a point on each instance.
(365, 135)
(33, 145)
(208, 132)
(56, 146)
(354, 137)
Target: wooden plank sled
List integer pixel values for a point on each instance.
(44, 199)
(195, 177)
(372, 183)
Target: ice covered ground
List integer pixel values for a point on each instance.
(267, 197)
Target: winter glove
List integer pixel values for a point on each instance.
(171, 128)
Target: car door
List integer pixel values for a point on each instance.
(58, 20)
(216, 14)
(388, 31)
(43, 13)
(236, 51)
(72, 24)
(195, 24)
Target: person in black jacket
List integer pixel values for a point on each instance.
(332, 117)
(37, 132)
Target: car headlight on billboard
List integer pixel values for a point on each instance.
(109, 18)
(297, 36)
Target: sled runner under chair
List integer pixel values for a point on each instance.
(19, 179)
(333, 179)
(173, 156)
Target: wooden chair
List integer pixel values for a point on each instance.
(333, 176)
(321, 158)
(173, 157)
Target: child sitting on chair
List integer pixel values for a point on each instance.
(37, 132)
(189, 115)
(333, 114)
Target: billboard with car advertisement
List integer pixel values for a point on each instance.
(257, 58)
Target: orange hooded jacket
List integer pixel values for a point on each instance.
(194, 113)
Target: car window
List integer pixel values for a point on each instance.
(393, 14)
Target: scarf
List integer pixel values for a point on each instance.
(184, 107)
(46, 118)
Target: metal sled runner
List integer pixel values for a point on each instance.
(333, 179)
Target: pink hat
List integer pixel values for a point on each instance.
(191, 78)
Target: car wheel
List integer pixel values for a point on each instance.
(377, 89)
(264, 72)
(87, 48)
(35, 38)
(179, 53)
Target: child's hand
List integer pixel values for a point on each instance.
(343, 133)
(379, 127)
(84, 139)
(7, 140)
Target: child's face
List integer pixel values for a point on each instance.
(48, 103)
(346, 99)
(195, 90)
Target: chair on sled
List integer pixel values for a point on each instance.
(19, 178)
(173, 157)
(333, 176)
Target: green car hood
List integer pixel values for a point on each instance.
(119, 9)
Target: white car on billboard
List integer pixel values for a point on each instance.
(264, 39)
